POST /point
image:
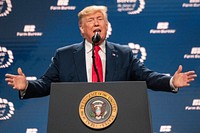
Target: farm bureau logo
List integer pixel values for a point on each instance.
(162, 28)
(138, 51)
(6, 57)
(192, 3)
(195, 105)
(132, 7)
(194, 54)
(6, 109)
(29, 30)
(98, 109)
(62, 5)
(5, 7)
(31, 130)
(165, 128)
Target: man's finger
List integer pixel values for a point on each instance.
(10, 75)
(190, 80)
(11, 84)
(9, 80)
(190, 73)
(180, 68)
(19, 70)
(193, 76)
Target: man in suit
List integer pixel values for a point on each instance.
(73, 63)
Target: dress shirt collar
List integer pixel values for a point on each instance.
(88, 46)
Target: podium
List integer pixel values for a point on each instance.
(128, 110)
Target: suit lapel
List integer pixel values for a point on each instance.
(79, 59)
(111, 55)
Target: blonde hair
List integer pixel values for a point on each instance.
(92, 9)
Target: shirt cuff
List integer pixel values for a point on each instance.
(174, 89)
(23, 93)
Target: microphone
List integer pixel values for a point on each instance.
(96, 38)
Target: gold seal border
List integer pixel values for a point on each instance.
(84, 101)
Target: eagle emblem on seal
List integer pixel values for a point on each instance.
(98, 109)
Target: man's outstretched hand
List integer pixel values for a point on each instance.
(181, 79)
(18, 82)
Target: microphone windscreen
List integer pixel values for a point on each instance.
(96, 38)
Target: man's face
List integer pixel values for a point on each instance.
(94, 23)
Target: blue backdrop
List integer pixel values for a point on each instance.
(163, 34)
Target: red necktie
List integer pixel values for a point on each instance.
(98, 66)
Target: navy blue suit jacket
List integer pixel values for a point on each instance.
(68, 65)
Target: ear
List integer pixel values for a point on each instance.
(107, 26)
(81, 28)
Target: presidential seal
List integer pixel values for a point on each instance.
(98, 109)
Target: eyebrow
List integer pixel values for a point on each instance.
(95, 17)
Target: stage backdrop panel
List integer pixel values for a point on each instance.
(163, 35)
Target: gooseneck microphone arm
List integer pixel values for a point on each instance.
(95, 39)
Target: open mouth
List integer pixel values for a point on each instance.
(97, 30)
